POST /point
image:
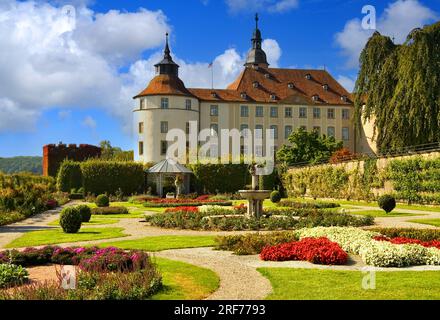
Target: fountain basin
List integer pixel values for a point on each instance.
(255, 194)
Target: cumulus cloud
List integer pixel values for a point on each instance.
(273, 6)
(64, 114)
(47, 60)
(397, 20)
(89, 122)
(347, 82)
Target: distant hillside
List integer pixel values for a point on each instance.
(22, 164)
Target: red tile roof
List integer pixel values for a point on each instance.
(165, 84)
(263, 85)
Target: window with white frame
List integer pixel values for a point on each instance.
(331, 132)
(259, 131)
(287, 131)
(316, 113)
(259, 111)
(330, 113)
(188, 104)
(274, 131)
(244, 111)
(345, 134)
(164, 103)
(288, 112)
(243, 130)
(345, 114)
(303, 112)
(273, 112)
(214, 111)
(164, 127)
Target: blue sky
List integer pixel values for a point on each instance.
(72, 81)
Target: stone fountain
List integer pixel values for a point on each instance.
(255, 196)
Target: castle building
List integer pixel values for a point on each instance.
(54, 155)
(260, 98)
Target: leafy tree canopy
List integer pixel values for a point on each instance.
(308, 147)
(398, 87)
(108, 152)
(22, 164)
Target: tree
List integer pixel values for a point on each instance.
(398, 87)
(342, 155)
(308, 147)
(114, 153)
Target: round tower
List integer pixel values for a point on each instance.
(163, 105)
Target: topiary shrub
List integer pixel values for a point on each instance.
(70, 220)
(85, 211)
(102, 201)
(275, 196)
(387, 203)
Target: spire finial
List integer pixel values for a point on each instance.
(167, 48)
(256, 21)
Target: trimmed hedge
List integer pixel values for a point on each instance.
(187, 204)
(419, 234)
(219, 178)
(109, 176)
(69, 176)
(110, 210)
(71, 220)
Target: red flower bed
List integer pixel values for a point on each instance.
(314, 250)
(182, 200)
(403, 240)
(187, 209)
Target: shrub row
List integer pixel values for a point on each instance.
(224, 219)
(185, 203)
(308, 205)
(110, 210)
(99, 177)
(414, 180)
(253, 243)
(314, 250)
(419, 234)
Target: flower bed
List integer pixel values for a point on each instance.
(104, 274)
(307, 205)
(372, 252)
(88, 259)
(403, 240)
(185, 203)
(186, 209)
(314, 250)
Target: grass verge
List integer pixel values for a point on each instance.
(183, 281)
(312, 284)
(160, 243)
(57, 236)
(431, 222)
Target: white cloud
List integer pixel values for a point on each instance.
(89, 122)
(347, 82)
(397, 20)
(273, 6)
(64, 114)
(46, 61)
(273, 51)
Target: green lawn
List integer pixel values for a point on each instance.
(310, 284)
(56, 236)
(95, 220)
(431, 222)
(381, 213)
(163, 243)
(183, 281)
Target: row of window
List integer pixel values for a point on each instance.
(288, 112)
(287, 130)
(165, 103)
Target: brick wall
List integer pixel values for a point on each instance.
(54, 155)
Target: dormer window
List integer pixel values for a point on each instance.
(267, 75)
(214, 94)
(255, 66)
(344, 98)
(255, 84)
(308, 76)
(315, 97)
(243, 95)
(273, 97)
(325, 87)
(290, 85)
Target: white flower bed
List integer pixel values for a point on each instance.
(209, 208)
(372, 252)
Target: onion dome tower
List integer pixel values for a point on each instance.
(256, 56)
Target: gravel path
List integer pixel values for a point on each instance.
(238, 281)
(37, 222)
